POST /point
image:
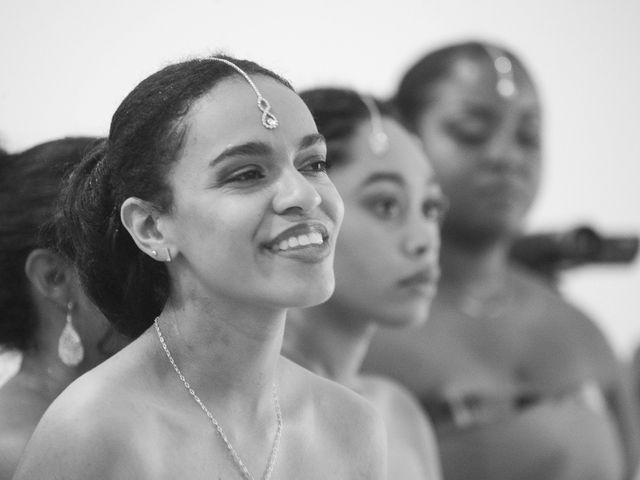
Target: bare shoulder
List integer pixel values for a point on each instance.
(348, 410)
(404, 417)
(560, 323)
(393, 399)
(12, 443)
(21, 407)
(14, 435)
(349, 430)
(13, 439)
(81, 434)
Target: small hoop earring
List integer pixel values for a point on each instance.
(168, 256)
(70, 349)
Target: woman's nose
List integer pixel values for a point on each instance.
(421, 238)
(505, 152)
(295, 192)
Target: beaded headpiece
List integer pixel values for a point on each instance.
(268, 119)
(505, 85)
(378, 140)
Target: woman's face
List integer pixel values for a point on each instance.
(255, 216)
(386, 254)
(485, 149)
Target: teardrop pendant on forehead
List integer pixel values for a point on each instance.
(269, 120)
(505, 84)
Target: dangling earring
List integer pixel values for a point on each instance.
(168, 256)
(70, 349)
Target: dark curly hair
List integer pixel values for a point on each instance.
(30, 183)
(415, 91)
(144, 141)
(338, 112)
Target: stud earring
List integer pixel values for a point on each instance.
(154, 253)
(168, 256)
(70, 349)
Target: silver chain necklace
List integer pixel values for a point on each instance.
(236, 458)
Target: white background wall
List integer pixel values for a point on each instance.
(65, 65)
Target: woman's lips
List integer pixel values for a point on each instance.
(307, 242)
(423, 280)
(301, 234)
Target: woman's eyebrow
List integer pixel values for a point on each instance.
(263, 148)
(311, 140)
(245, 149)
(383, 177)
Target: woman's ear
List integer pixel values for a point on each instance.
(50, 274)
(144, 227)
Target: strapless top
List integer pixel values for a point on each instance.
(567, 436)
(468, 410)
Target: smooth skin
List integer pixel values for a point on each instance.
(237, 188)
(386, 274)
(496, 332)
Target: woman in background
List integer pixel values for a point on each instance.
(10, 358)
(386, 265)
(519, 384)
(183, 226)
(43, 312)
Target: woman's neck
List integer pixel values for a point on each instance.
(328, 341)
(230, 352)
(44, 373)
(477, 271)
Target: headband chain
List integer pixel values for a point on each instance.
(506, 85)
(379, 140)
(269, 120)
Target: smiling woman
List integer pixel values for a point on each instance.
(178, 224)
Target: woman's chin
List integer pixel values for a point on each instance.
(310, 297)
(405, 316)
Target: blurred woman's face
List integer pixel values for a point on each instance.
(386, 254)
(485, 149)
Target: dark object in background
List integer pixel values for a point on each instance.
(549, 253)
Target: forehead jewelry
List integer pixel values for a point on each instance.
(505, 85)
(269, 120)
(378, 140)
(232, 451)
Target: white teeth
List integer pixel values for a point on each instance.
(313, 238)
(304, 240)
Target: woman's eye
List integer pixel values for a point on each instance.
(246, 175)
(435, 209)
(385, 208)
(528, 138)
(316, 166)
(469, 134)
